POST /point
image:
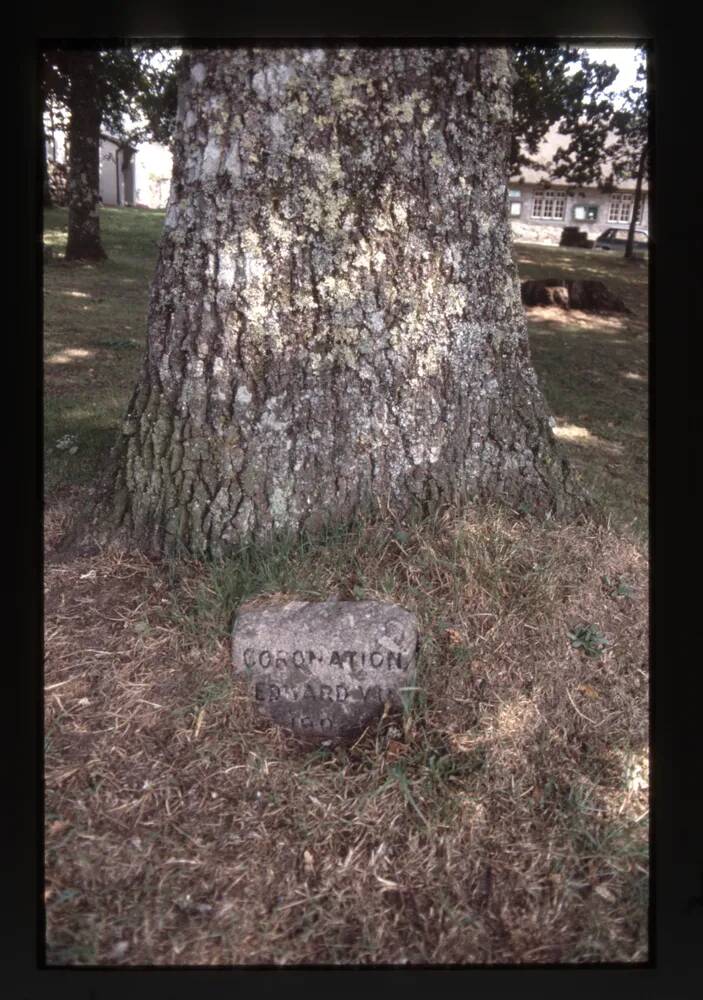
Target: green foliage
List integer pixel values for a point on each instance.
(136, 85)
(630, 123)
(157, 98)
(587, 122)
(591, 151)
(618, 587)
(588, 638)
(546, 93)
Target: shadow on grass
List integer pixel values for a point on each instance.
(92, 433)
(628, 279)
(594, 377)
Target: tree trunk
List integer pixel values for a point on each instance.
(46, 187)
(630, 245)
(127, 175)
(84, 160)
(335, 321)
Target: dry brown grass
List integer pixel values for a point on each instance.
(503, 820)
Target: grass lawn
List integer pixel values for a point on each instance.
(94, 334)
(503, 819)
(594, 372)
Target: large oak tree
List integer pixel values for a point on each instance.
(335, 320)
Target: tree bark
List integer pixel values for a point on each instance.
(84, 160)
(630, 245)
(335, 323)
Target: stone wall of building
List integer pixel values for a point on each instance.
(565, 201)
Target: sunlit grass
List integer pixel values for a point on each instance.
(593, 371)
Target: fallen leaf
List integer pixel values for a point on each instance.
(396, 749)
(588, 690)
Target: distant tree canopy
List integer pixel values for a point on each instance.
(128, 92)
(136, 90)
(157, 98)
(607, 131)
(630, 152)
(548, 91)
(554, 85)
(630, 125)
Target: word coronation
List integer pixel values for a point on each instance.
(305, 660)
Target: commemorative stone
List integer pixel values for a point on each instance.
(326, 669)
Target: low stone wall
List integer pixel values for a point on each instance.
(550, 235)
(525, 233)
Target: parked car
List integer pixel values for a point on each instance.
(616, 239)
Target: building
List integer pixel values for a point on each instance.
(540, 208)
(152, 178)
(134, 175)
(129, 174)
(117, 171)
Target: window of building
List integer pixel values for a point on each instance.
(515, 201)
(621, 208)
(586, 213)
(548, 205)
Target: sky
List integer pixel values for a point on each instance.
(623, 57)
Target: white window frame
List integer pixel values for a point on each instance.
(515, 200)
(620, 207)
(584, 208)
(546, 205)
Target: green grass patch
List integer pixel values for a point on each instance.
(593, 371)
(94, 338)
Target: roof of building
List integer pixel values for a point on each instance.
(545, 154)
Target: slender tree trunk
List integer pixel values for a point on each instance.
(46, 187)
(630, 245)
(335, 321)
(127, 175)
(83, 160)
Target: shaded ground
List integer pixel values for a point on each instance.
(505, 819)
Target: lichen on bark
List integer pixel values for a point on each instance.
(335, 320)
